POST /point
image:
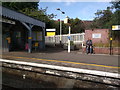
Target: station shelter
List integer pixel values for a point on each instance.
(21, 32)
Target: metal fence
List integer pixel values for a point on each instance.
(76, 38)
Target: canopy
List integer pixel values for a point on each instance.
(20, 17)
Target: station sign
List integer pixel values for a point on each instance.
(69, 37)
(66, 20)
(51, 32)
(116, 27)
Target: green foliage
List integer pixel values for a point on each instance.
(20, 5)
(107, 18)
(116, 4)
(114, 44)
(31, 9)
(103, 18)
(101, 45)
(77, 25)
(71, 43)
(38, 14)
(65, 28)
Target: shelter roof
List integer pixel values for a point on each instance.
(20, 17)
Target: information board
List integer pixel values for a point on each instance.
(96, 35)
(51, 32)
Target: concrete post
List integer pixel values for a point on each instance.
(29, 27)
(30, 41)
(30, 38)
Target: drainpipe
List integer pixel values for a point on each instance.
(43, 37)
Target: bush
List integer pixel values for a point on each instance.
(71, 43)
(114, 44)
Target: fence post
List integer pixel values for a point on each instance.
(69, 40)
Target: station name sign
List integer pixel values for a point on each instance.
(51, 32)
(116, 27)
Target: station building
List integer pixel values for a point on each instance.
(21, 32)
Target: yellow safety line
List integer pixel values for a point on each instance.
(68, 62)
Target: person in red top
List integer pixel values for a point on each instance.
(26, 46)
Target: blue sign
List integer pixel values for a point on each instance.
(69, 37)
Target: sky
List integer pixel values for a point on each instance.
(81, 10)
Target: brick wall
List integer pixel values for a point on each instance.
(104, 35)
(104, 50)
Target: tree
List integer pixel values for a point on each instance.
(98, 14)
(103, 18)
(116, 4)
(107, 18)
(77, 25)
(20, 5)
(31, 9)
(116, 18)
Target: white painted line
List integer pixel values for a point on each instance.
(70, 69)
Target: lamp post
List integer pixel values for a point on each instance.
(60, 24)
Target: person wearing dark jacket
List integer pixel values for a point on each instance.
(89, 46)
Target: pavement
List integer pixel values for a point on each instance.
(55, 56)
